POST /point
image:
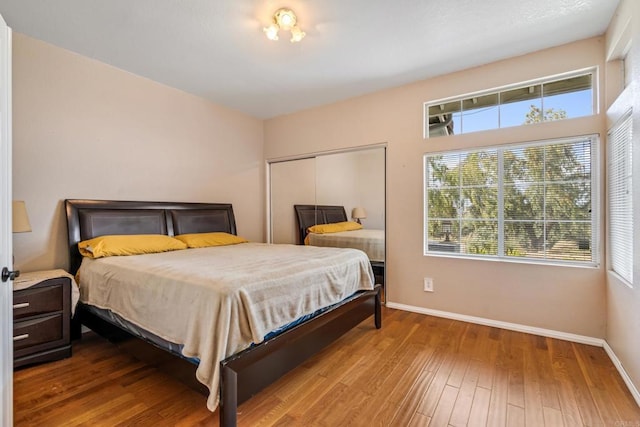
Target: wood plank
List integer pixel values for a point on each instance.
(413, 398)
(589, 414)
(562, 355)
(295, 405)
(466, 396)
(469, 340)
(419, 420)
(118, 414)
(443, 410)
(368, 377)
(515, 416)
(497, 414)
(626, 406)
(191, 415)
(591, 361)
(553, 417)
(480, 409)
(515, 392)
(487, 352)
(385, 415)
(441, 365)
(545, 372)
(384, 405)
(459, 371)
(348, 412)
(437, 385)
(323, 408)
(372, 376)
(534, 414)
(269, 407)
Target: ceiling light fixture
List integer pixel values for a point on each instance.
(284, 19)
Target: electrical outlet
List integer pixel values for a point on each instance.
(428, 284)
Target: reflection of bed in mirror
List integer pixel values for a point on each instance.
(370, 241)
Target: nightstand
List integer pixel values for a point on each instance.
(41, 321)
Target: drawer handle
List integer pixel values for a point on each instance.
(21, 305)
(20, 337)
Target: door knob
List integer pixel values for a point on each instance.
(9, 275)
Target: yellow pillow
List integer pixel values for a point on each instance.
(334, 227)
(204, 240)
(134, 244)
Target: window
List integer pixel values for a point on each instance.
(528, 201)
(620, 198)
(540, 101)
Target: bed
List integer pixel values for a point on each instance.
(244, 371)
(370, 241)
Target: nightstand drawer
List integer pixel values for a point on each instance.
(41, 318)
(37, 331)
(31, 302)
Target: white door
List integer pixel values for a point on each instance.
(6, 288)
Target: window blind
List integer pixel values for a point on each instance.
(526, 201)
(621, 198)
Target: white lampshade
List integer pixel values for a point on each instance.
(20, 218)
(358, 213)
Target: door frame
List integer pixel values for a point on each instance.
(6, 244)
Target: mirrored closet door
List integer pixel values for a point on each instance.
(329, 188)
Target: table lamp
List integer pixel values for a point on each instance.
(20, 218)
(358, 213)
(20, 225)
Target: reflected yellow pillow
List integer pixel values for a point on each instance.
(135, 244)
(204, 240)
(334, 227)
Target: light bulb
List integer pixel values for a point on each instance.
(271, 32)
(285, 18)
(297, 34)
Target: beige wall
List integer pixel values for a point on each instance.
(371, 187)
(83, 129)
(292, 183)
(623, 302)
(565, 299)
(351, 179)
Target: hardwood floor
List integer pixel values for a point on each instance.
(416, 371)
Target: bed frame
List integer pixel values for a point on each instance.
(309, 215)
(243, 374)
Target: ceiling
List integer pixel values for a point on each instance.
(216, 48)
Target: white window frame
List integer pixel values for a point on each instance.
(620, 198)
(496, 91)
(595, 205)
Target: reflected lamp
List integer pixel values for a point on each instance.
(358, 213)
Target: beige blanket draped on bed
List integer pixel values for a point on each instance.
(217, 301)
(370, 241)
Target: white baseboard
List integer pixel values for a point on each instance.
(502, 325)
(627, 379)
(582, 339)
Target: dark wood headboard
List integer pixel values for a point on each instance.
(87, 219)
(309, 215)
